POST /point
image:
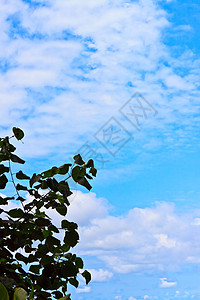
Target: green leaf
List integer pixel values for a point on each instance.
(87, 276)
(61, 209)
(16, 159)
(75, 173)
(88, 176)
(3, 181)
(16, 213)
(68, 269)
(20, 175)
(71, 238)
(52, 241)
(83, 181)
(50, 173)
(79, 262)
(21, 257)
(64, 169)
(20, 187)
(78, 160)
(20, 294)
(68, 225)
(35, 178)
(3, 169)
(41, 222)
(35, 269)
(65, 298)
(4, 157)
(90, 163)
(18, 133)
(3, 292)
(52, 184)
(20, 199)
(74, 282)
(93, 171)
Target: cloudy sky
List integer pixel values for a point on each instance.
(118, 81)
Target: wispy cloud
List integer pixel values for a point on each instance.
(61, 78)
(167, 284)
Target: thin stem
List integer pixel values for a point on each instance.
(12, 179)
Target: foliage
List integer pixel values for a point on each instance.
(32, 256)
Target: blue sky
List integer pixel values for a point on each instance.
(72, 75)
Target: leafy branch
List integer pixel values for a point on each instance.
(32, 257)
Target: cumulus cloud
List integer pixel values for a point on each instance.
(100, 275)
(166, 284)
(142, 240)
(148, 239)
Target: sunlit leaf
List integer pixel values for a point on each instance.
(3, 292)
(20, 294)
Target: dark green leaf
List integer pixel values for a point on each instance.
(20, 175)
(21, 257)
(62, 210)
(3, 181)
(41, 222)
(50, 173)
(68, 225)
(3, 169)
(68, 269)
(46, 259)
(20, 187)
(64, 169)
(35, 178)
(16, 159)
(83, 181)
(78, 160)
(35, 269)
(52, 241)
(87, 276)
(52, 184)
(21, 199)
(75, 173)
(88, 176)
(90, 163)
(3, 201)
(4, 157)
(44, 185)
(18, 133)
(93, 171)
(71, 238)
(66, 297)
(16, 213)
(74, 282)
(79, 262)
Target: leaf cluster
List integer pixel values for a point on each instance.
(32, 256)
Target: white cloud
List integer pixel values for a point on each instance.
(167, 284)
(146, 297)
(100, 275)
(131, 298)
(145, 239)
(56, 63)
(85, 289)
